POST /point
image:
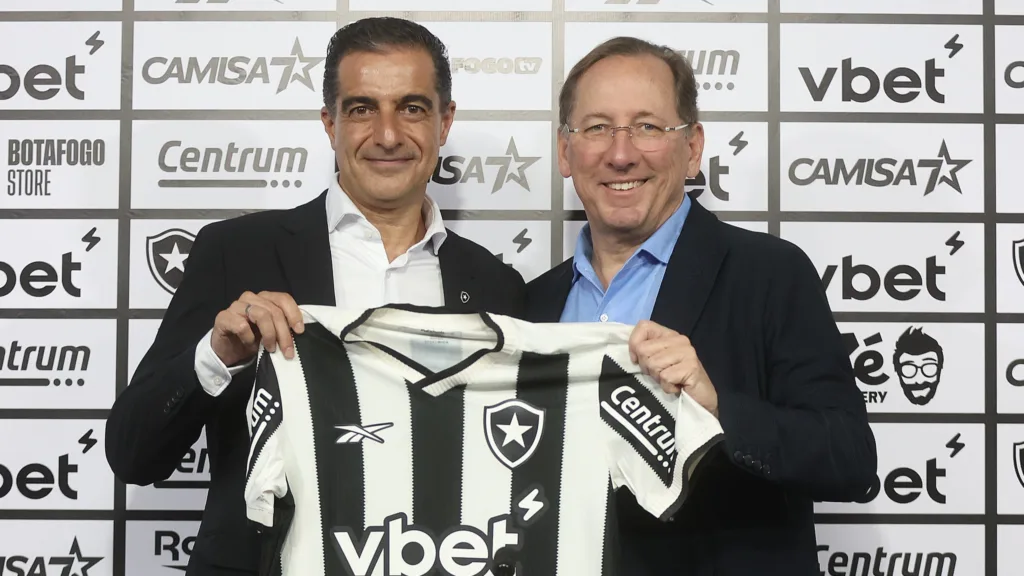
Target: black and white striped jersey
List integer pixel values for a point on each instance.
(411, 441)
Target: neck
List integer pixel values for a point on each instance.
(611, 251)
(400, 225)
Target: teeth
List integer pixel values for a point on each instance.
(622, 186)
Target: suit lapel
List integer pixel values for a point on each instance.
(691, 272)
(555, 293)
(305, 254)
(463, 291)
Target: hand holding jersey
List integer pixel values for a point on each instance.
(671, 360)
(254, 320)
(458, 435)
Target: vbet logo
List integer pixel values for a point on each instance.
(57, 363)
(227, 164)
(184, 489)
(60, 165)
(74, 265)
(852, 167)
(666, 5)
(60, 65)
(62, 468)
(494, 67)
(910, 368)
(904, 68)
(493, 165)
(159, 548)
(229, 65)
(1010, 268)
(895, 266)
(524, 245)
(56, 548)
(233, 5)
(1009, 69)
(900, 549)
(923, 469)
(158, 256)
(734, 167)
(1010, 366)
(883, 6)
(730, 60)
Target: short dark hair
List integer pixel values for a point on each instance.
(682, 74)
(378, 35)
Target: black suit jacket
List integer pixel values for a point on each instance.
(796, 427)
(162, 412)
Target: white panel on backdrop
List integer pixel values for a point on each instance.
(939, 267)
(234, 5)
(1009, 7)
(1010, 368)
(571, 231)
(1009, 64)
(900, 549)
(229, 65)
(730, 61)
(141, 333)
(57, 363)
(666, 5)
(60, 164)
(494, 166)
(1010, 267)
(854, 167)
(58, 264)
(881, 68)
(452, 5)
(57, 547)
(1010, 468)
(185, 489)
(54, 465)
(915, 368)
(882, 6)
(248, 164)
(733, 169)
(60, 65)
(493, 68)
(60, 6)
(158, 257)
(923, 469)
(158, 548)
(1009, 148)
(1008, 543)
(524, 245)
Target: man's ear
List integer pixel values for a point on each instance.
(447, 118)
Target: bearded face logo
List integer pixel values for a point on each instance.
(918, 361)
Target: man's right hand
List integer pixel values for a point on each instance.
(236, 336)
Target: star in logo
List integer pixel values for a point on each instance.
(504, 175)
(939, 175)
(514, 431)
(75, 564)
(289, 74)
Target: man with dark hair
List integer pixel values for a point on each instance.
(737, 319)
(917, 361)
(373, 237)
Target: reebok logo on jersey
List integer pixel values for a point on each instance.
(632, 410)
(513, 429)
(354, 434)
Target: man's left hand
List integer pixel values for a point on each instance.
(669, 358)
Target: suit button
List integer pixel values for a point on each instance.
(747, 459)
(179, 393)
(767, 470)
(757, 464)
(737, 455)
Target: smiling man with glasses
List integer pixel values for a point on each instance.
(737, 319)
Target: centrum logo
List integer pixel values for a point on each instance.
(721, 63)
(880, 562)
(463, 169)
(73, 564)
(232, 70)
(233, 167)
(879, 172)
(517, 65)
(56, 360)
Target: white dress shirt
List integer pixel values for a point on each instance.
(363, 277)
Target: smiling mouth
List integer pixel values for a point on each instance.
(626, 186)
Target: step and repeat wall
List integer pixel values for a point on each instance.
(885, 138)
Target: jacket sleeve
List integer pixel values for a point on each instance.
(811, 430)
(161, 413)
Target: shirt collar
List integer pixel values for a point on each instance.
(341, 211)
(659, 245)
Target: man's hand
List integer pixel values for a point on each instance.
(236, 336)
(669, 358)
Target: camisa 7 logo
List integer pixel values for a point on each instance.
(915, 68)
(56, 548)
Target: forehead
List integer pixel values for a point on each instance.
(626, 86)
(396, 71)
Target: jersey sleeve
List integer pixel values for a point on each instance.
(656, 439)
(265, 481)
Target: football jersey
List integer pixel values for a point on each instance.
(407, 441)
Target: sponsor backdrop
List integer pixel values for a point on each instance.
(883, 137)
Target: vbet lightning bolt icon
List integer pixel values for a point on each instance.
(88, 441)
(91, 239)
(738, 143)
(955, 445)
(954, 45)
(955, 243)
(94, 43)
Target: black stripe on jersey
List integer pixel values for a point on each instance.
(542, 383)
(437, 425)
(610, 555)
(266, 414)
(333, 401)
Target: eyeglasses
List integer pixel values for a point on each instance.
(928, 369)
(644, 135)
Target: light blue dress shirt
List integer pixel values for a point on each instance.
(632, 292)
